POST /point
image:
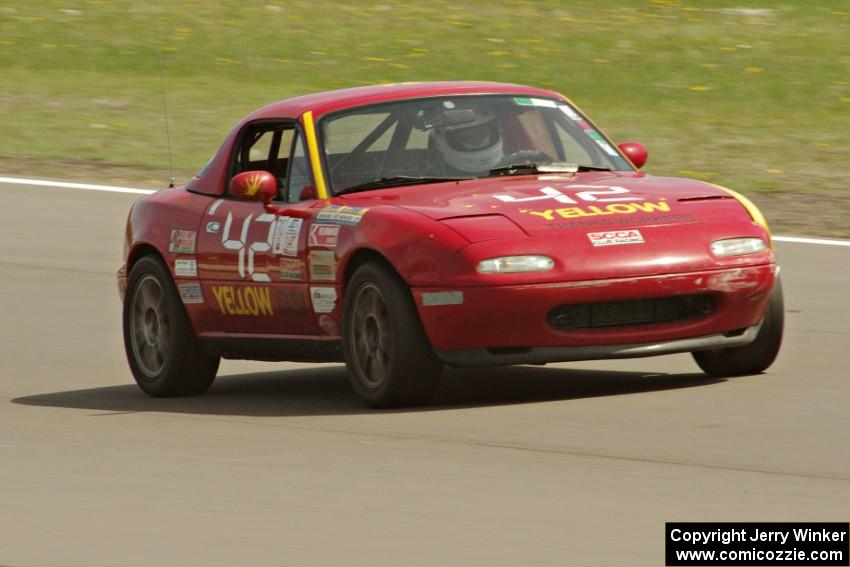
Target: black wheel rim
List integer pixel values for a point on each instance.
(371, 336)
(149, 326)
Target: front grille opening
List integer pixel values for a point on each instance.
(630, 312)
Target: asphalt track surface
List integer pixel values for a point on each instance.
(279, 464)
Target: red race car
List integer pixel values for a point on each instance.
(400, 228)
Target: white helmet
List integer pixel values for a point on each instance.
(469, 141)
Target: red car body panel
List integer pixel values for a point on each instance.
(254, 283)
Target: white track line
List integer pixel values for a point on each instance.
(114, 189)
(84, 186)
(808, 240)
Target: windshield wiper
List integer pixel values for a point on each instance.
(524, 168)
(396, 181)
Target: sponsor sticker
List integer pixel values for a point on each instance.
(613, 237)
(286, 236)
(213, 227)
(336, 214)
(544, 102)
(293, 299)
(324, 235)
(182, 241)
(190, 292)
(629, 221)
(322, 265)
(323, 299)
(600, 210)
(601, 142)
(571, 114)
(292, 269)
(526, 101)
(186, 268)
(243, 300)
(328, 325)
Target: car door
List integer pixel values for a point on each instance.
(253, 262)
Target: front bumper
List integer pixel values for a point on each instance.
(472, 318)
(541, 355)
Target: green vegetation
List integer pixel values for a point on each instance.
(754, 95)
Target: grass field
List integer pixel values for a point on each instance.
(755, 95)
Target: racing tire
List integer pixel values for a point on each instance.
(161, 346)
(389, 358)
(755, 357)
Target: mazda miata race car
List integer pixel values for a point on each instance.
(401, 228)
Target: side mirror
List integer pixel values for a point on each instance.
(254, 186)
(636, 152)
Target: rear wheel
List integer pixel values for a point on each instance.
(754, 357)
(390, 361)
(162, 349)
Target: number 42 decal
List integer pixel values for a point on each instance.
(239, 244)
(592, 195)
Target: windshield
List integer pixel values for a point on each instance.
(457, 137)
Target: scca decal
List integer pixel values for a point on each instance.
(248, 300)
(594, 211)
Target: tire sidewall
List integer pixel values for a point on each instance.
(413, 371)
(757, 356)
(368, 274)
(148, 265)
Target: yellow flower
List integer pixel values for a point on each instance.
(753, 70)
(699, 88)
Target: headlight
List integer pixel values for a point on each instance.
(515, 264)
(738, 246)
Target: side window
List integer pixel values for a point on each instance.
(265, 147)
(300, 184)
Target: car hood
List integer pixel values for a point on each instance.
(582, 219)
(541, 204)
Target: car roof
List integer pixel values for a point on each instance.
(328, 101)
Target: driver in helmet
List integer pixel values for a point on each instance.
(466, 141)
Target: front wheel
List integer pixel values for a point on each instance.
(755, 357)
(389, 358)
(161, 346)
